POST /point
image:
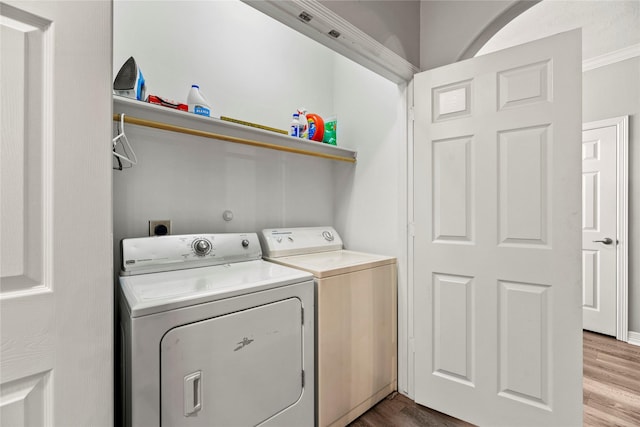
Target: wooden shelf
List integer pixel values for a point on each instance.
(158, 117)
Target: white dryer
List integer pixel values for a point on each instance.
(212, 335)
(356, 319)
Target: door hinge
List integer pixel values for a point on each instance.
(411, 229)
(412, 115)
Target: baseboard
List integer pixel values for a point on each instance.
(634, 338)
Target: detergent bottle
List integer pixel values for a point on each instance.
(196, 102)
(316, 127)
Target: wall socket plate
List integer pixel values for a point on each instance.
(159, 227)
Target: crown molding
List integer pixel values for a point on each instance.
(611, 57)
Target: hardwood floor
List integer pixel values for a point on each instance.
(611, 381)
(611, 392)
(398, 410)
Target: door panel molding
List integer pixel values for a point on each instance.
(525, 353)
(27, 161)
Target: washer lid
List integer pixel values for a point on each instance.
(157, 292)
(332, 263)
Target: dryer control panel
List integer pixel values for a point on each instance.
(279, 242)
(177, 252)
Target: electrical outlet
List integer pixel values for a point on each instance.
(159, 227)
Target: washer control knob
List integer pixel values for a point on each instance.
(279, 239)
(201, 247)
(245, 243)
(328, 236)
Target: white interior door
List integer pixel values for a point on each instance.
(497, 287)
(599, 241)
(56, 304)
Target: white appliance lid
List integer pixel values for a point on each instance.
(151, 293)
(325, 264)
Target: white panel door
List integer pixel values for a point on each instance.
(497, 288)
(599, 229)
(56, 304)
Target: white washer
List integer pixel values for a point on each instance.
(212, 335)
(356, 319)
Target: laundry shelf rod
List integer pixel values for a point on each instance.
(230, 132)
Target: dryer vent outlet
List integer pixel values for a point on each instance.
(159, 227)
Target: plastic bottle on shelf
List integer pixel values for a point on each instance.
(196, 102)
(305, 125)
(295, 129)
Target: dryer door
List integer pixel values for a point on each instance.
(238, 369)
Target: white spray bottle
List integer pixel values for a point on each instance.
(305, 124)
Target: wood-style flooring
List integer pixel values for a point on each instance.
(611, 392)
(611, 381)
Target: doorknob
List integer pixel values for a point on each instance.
(606, 241)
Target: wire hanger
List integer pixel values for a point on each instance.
(126, 146)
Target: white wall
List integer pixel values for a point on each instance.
(600, 35)
(247, 66)
(253, 68)
(614, 91)
(370, 198)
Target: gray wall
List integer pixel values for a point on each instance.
(449, 28)
(614, 91)
(394, 24)
(429, 33)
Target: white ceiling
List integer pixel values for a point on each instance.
(607, 25)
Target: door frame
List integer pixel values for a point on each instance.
(622, 219)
